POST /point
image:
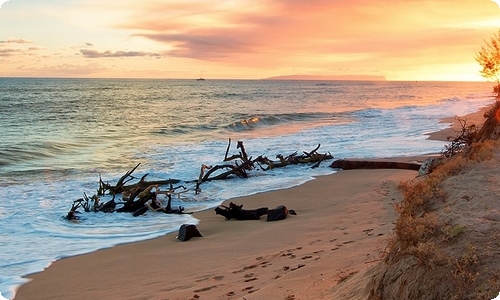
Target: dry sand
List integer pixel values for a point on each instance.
(342, 227)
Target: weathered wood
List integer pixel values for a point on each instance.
(118, 188)
(350, 164)
(144, 196)
(237, 212)
(294, 159)
(139, 197)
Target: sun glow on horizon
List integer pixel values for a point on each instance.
(245, 40)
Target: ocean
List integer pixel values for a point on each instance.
(57, 136)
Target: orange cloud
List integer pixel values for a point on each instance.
(268, 29)
(404, 39)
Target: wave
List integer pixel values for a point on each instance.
(260, 121)
(26, 152)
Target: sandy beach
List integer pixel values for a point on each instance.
(341, 228)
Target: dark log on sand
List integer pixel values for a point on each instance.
(351, 164)
(237, 212)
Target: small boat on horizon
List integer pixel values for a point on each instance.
(201, 77)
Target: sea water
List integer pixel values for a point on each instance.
(58, 136)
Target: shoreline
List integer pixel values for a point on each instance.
(477, 118)
(251, 259)
(243, 258)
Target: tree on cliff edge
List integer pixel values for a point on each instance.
(489, 58)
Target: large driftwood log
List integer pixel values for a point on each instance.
(237, 212)
(350, 164)
(234, 211)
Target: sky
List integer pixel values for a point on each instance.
(242, 39)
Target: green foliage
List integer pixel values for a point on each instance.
(489, 58)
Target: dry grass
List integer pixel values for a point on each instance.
(420, 233)
(417, 225)
(447, 263)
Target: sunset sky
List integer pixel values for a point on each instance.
(398, 39)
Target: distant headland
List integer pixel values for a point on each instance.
(327, 77)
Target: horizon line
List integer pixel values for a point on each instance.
(249, 79)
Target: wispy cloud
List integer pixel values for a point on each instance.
(96, 54)
(16, 41)
(10, 52)
(66, 69)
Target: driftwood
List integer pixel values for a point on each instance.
(244, 163)
(147, 201)
(294, 159)
(350, 164)
(121, 187)
(279, 213)
(237, 212)
(71, 215)
(234, 211)
(140, 195)
(462, 141)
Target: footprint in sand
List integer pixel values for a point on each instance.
(313, 242)
(208, 288)
(264, 264)
(245, 268)
(216, 278)
(298, 267)
(368, 231)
